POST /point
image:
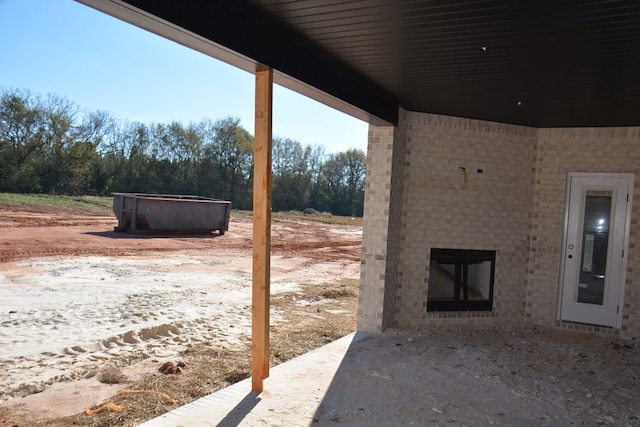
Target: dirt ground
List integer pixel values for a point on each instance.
(87, 312)
(42, 232)
(457, 375)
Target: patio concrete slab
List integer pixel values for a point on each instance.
(457, 377)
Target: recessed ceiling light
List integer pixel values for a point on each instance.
(520, 103)
(484, 48)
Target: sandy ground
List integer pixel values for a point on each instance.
(76, 297)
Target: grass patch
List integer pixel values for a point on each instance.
(83, 203)
(299, 216)
(338, 293)
(318, 315)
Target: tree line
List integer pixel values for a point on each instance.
(49, 145)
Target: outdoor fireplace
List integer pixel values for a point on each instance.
(461, 280)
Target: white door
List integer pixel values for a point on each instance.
(597, 221)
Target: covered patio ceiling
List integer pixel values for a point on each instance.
(538, 63)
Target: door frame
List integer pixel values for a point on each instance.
(627, 230)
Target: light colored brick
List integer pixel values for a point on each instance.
(416, 200)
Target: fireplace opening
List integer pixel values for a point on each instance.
(461, 280)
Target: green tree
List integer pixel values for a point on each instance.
(47, 145)
(175, 153)
(343, 181)
(226, 163)
(291, 181)
(127, 159)
(21, 137)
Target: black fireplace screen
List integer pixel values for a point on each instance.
(461, 280)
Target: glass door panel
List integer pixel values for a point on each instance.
(595, 246)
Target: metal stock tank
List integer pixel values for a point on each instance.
(168, 212)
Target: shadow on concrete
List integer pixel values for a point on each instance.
(241, 410)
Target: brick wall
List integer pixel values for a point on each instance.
(396, 207)
(491, 211)
(377, 286)
(606, 150)
(416, 200)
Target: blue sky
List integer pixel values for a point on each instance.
(68, 49)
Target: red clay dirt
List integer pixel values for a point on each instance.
(47, 231)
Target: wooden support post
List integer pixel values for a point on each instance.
(261, 228)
